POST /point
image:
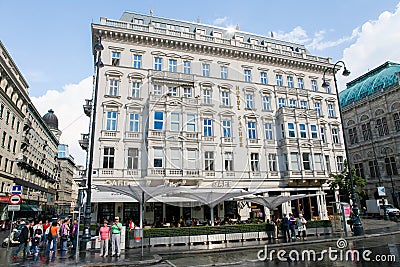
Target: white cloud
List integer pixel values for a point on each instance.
(67, 106)
(297, 35)
(220, 21)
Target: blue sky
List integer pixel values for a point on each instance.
(50, 41)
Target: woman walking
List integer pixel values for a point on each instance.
(104, 238)
(52, 237)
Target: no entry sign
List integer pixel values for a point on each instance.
(15, 200)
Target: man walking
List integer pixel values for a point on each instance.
(285, 228)
(292, 226)
(116, 237)
(24, 240)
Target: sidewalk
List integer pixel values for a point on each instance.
(131, 257)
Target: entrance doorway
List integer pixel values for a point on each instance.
(172, 213)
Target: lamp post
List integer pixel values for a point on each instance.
(86, 237)
(358, 229)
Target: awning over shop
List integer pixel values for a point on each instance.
(27, 207)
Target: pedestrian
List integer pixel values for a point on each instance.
(52, 237)
(301, 227)
(104, 238)
(74, 235)
(285, 228)
(46, 225)
(292, 226)
(29, 246)
(23, 240)
(131, 224)
(270, 229)
(116, 237)
(64, 233)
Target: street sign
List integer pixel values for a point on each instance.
(16, 189)
(15, 200)
(14, 207)
(381, 191)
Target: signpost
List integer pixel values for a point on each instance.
(14, 201)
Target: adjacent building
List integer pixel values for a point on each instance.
(184, 103)
(371, 111)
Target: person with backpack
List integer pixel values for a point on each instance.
(292, 226)
(23, 241)
(285, 228)
(52, 237)
(64, 233)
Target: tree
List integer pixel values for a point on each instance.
(341, 182)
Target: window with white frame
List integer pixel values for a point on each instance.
(303, 130)
(225, 98)
(187, 67)
(292, 132)
(172, 65)
(318, 162)
(247, 76)
(290, 82)
(281, 102)
(205, 69)
(228, 161)
(307, 161)
(136, 89)
(137, 61)
(176, 158)
(283, 134)
(158, 120)
(111, 121)
(279, 80)
(226, 128)
(115, 58)
(187, 92)
(113, 88)
(207, 93)
(328, 163)
(314, 85)
(175, 122)
(322, 131)
(158, 159)
(133, 159)
(317, 107)
(300, 83)
(335, 136)
(157, 63)
(252, 130)
(331, 110)
(209, 161)
(314, 131)
(272, 162)
(254, 162)
(157, 89)
(268, 131)
(207, 127)
(340, 163)
(266, 103)
(249, 101)
(303, 104)
(134, 122)
(328, 89)
(173, 91)
(294, 161)
(292, 103)
(224, 72)
(191, 159)
(263, 78)
(191, 122)
(108, 157)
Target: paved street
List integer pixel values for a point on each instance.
(232, 254)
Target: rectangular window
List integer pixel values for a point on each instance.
(173, 91)
(157, 63)
(191, 159)
(207, 127)
(328, 163)
(137, 61)
(279, 80)
(396, 120)
(209, 161)
(366, 131)
(226, 128)
(373, 171)
(3, 139)
(331, 110)
(359, 169)
(335, 136)
(115, 58)
(133, 159)
(9, 143)
(176, 158)
(328, 89)
(157, 89)
(303, 104)
(381, 124)
(303, 131)
(307, 161)
(294, 161)
(300, 83)
(292, 132)
(136, 89)
(290, 83)
(158, 120)
(318, 162)
(249, 101)
(207, 96)
(187, 67)
(391, 167)
(224, 72)
(272, 162)
(292, 103)
(111, 123)
(205, 70)
(175, 122)
(225, 99)
(108, 157)
(14, 146)
(187, 92)
(317, 107)
(158, 160)
(251, 130)
(247, 76)
(191, 122)
(314, 85)
(268, 131)
(228, 161)
(353, 135)
(113, 89)
(322, 131)
(172, 65)
(254, 162)
(134, 122)
(314, 132)
(266, 104)
(281, 102)
(263, 78)
(340, 163)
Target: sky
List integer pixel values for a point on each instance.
(50, 41)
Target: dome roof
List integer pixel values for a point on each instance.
(369, 83)
(51, 119)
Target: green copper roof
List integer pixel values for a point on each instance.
(372, 81)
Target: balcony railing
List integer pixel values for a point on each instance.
(87, 108)
(84, 141)
(173, 76)
(110, 134)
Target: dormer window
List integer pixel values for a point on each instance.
(217, 34)
(138, 21)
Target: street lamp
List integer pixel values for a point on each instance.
(357, 226)
(98, 47)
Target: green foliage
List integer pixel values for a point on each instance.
(341, 182)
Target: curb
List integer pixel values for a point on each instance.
(157, 259)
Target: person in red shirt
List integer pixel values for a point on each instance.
(45, 226)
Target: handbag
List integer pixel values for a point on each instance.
(64, 238)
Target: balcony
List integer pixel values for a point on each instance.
(208, 138)
(133, 135)
(156, 134)
(84, 141)
(110, 135)
(171, 76)
(191, 135)
(192, 173)
(87, 108)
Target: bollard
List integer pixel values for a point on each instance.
(137, 235)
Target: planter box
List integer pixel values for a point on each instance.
(198, 239)
(179, 240)
(216, 238)
(234, 237)
(250, 236)
(263, 235)
(160, 241)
